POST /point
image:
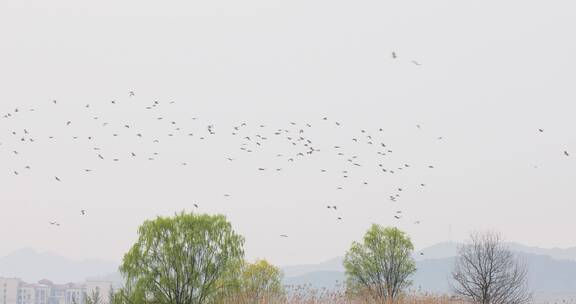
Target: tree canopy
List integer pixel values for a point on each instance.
(258, 282)
(261, 280)
(182, 259)
(381, 264)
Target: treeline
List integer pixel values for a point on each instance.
(198, 258)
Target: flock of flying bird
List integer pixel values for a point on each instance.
(294, 135)
(251, 140)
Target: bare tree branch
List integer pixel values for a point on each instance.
(487, 272)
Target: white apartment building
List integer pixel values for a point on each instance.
(15, 291)
(25, 294)
(9, 290)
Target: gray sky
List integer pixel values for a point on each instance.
(492, 73)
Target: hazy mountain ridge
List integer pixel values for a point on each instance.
(334, 264)
(450, 249)
(547, 275)
(550, 273)
(32, 266)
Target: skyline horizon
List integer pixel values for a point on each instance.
(549, 265)
(416, 251)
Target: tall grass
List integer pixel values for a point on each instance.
(306, 294)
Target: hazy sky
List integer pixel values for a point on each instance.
(492, 73)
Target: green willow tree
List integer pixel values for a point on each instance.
(258, 282)
(185, 259)
(261, 282)
(381, 264)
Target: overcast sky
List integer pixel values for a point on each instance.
(492, 73)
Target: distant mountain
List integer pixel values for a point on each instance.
(557, 253)
(438, 251)
(32, 266)
(450, 249)
(334, 264)
(317, 279)
(552, 270)
(547, 275)
(432, 275)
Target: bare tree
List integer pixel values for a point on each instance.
(487, 272)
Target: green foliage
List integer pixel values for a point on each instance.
(259, 282)
(261, 279)
(129, 295)
(187, 258)
(381, 264)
